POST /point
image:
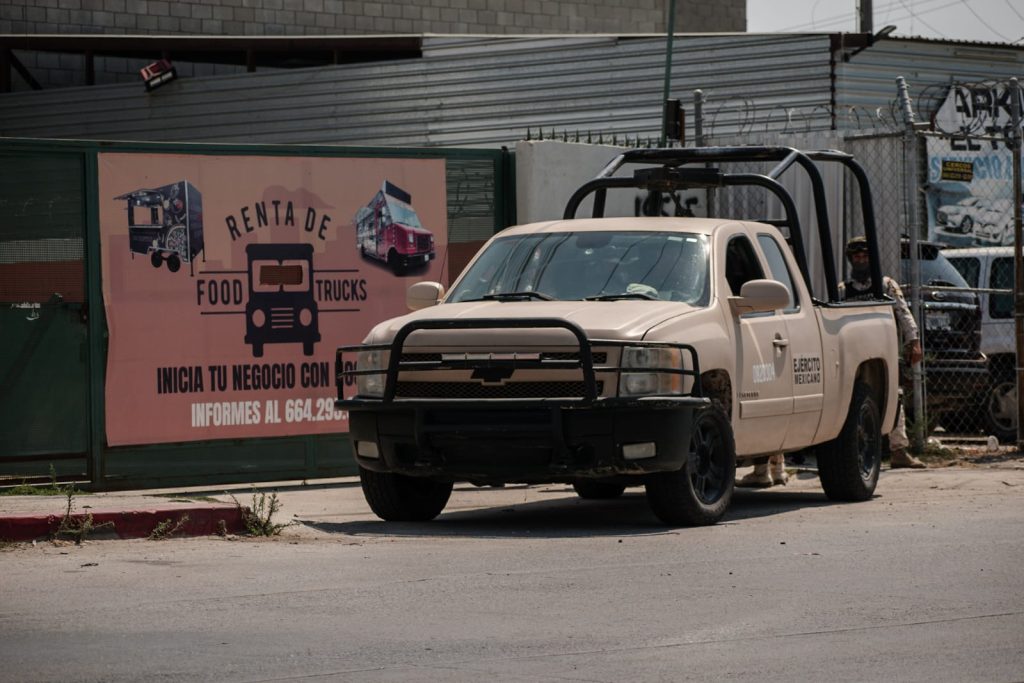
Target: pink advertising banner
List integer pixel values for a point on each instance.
(229, 281)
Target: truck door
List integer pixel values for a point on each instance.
(803, 341)
(764, 380)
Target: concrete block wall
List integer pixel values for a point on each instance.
(332, 17)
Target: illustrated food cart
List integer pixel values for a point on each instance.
(166, 222)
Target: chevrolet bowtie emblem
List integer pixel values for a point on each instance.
(492, 375)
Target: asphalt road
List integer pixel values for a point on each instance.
(923, 583)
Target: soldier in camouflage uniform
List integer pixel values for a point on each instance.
(858, 286)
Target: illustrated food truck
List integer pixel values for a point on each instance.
(166, 222)
(282, 307)
(389, 230)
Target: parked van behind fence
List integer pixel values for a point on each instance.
(990, 269)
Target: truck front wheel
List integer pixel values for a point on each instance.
(396, 263)
(700, 492)
(848, 466)
(398, 498)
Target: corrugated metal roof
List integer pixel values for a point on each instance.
(466, 91)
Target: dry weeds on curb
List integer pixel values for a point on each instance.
(258, 519)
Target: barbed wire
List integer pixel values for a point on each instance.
(983, 113)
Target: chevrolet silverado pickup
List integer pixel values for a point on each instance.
(610, 352)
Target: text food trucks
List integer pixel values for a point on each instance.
(282, 308)
(389, 230)
(166, 222)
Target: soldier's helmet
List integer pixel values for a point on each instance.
(858, 245)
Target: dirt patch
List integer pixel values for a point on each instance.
(952, 455)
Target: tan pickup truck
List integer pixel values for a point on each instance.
(615, 352)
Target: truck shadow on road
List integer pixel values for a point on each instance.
(568, 516)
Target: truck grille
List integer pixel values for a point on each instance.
(422, 242)
(598, 357)
(282, 318)
(474, 390)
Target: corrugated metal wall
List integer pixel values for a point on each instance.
(480, 92)
(488, 91)
(866, 85)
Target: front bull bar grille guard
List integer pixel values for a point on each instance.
(475, 361)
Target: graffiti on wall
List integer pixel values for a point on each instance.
(678, 204)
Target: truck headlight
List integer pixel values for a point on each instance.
(650, 371)
(372, 384)
(412, 239)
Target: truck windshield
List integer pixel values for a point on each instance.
(666, 266)
(286, 276)
(935, 270)
(404, 214)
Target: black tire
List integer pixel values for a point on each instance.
(849, 465)
(593, 489)
(1000, 409)
(398, 498)
(966, 225)
(173, 263)
(156, 258)
(700, 492)
(395, 263)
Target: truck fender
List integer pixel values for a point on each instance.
(861, 347)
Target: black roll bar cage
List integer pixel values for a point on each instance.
(671, 176)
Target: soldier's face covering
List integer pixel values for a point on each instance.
(859, 269)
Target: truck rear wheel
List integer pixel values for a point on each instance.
(848, 466)
(700, 492)
(398, 498)
(593, 489)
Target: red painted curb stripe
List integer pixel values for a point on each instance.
(202, 521)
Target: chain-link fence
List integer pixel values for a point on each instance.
(969, 202)
(944, 200)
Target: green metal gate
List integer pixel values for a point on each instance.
(53, 333)
(44, 379)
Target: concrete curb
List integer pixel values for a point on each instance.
(202, 521)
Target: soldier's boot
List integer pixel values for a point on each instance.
(777, 469)
(760, 478)
(900, 458)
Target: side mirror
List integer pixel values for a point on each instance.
(423, 294)
(757, 296)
